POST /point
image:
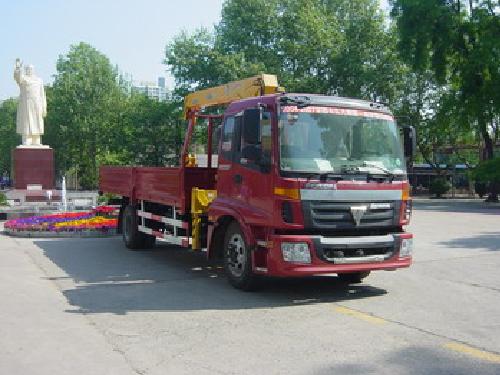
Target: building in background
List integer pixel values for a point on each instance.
(161, 82)
(154, 91)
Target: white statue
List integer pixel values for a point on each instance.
(32, 106)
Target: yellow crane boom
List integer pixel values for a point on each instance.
(254, 86)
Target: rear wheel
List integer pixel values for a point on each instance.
(238, 259)
(353, 278)
(130, 231)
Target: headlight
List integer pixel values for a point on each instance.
(406, 249)
(296, 252)
(405, 214)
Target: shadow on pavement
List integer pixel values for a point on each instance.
(457, 206)
(417, 360)
(488, 241)
(112, 279)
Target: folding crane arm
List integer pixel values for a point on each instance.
(255, 86)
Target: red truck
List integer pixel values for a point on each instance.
(304, 185)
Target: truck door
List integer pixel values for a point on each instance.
(246, 182)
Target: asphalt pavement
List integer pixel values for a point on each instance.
(89, 306)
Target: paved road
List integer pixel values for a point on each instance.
(88, 306)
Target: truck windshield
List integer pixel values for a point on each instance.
(328, 139)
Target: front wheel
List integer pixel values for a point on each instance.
(353, 278)
(238, 259)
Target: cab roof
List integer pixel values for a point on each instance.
(304, 100)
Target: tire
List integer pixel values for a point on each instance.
(238, 259)
(131, 236)
(119, 227)
(353, 278)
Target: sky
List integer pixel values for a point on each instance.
(132, 33)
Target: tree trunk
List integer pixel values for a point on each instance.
(488, 155)
(488, 146)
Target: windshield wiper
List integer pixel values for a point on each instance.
(357, 169)
(326, 176)
(376, 166)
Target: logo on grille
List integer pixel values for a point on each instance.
(357, 213)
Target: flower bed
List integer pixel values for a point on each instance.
(100, 220)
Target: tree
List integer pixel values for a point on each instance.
(93, 120)
(8, 137)
(84, 106)
(488, 172)
(442, 139)
(458, 40)
(439, 186)
(316, 46)
(154, 131)
(196, 63)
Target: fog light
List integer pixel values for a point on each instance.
(296, 252)
(406, 249)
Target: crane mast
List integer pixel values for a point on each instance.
(262, 84)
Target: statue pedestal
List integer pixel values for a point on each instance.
(33, 166)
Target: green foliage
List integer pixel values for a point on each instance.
(106, 198)
(443, 136)
(315, 46)
(154, 131)
(194, 60)
(83, 107)
(481, 188)
(3, 199)
(426, 29)
(453, 51)
(488, 171)
(8, 137)
(439, 186)
(93, 121)
(458, 41)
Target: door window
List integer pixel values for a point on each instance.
(231, 138)
(227, 139)
(265, 145)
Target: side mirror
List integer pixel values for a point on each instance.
(251, 126)
(409, 141)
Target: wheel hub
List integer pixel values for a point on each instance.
(236, 255)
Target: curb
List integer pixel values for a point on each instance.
(79, 234)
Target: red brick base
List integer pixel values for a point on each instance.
(33, 166)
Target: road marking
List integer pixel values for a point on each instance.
(357, 314)
(473, 352)
(452, 345)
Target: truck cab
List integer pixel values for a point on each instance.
(310, 185)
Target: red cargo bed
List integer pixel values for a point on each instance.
(169, 186)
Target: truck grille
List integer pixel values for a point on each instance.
(337, 215)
